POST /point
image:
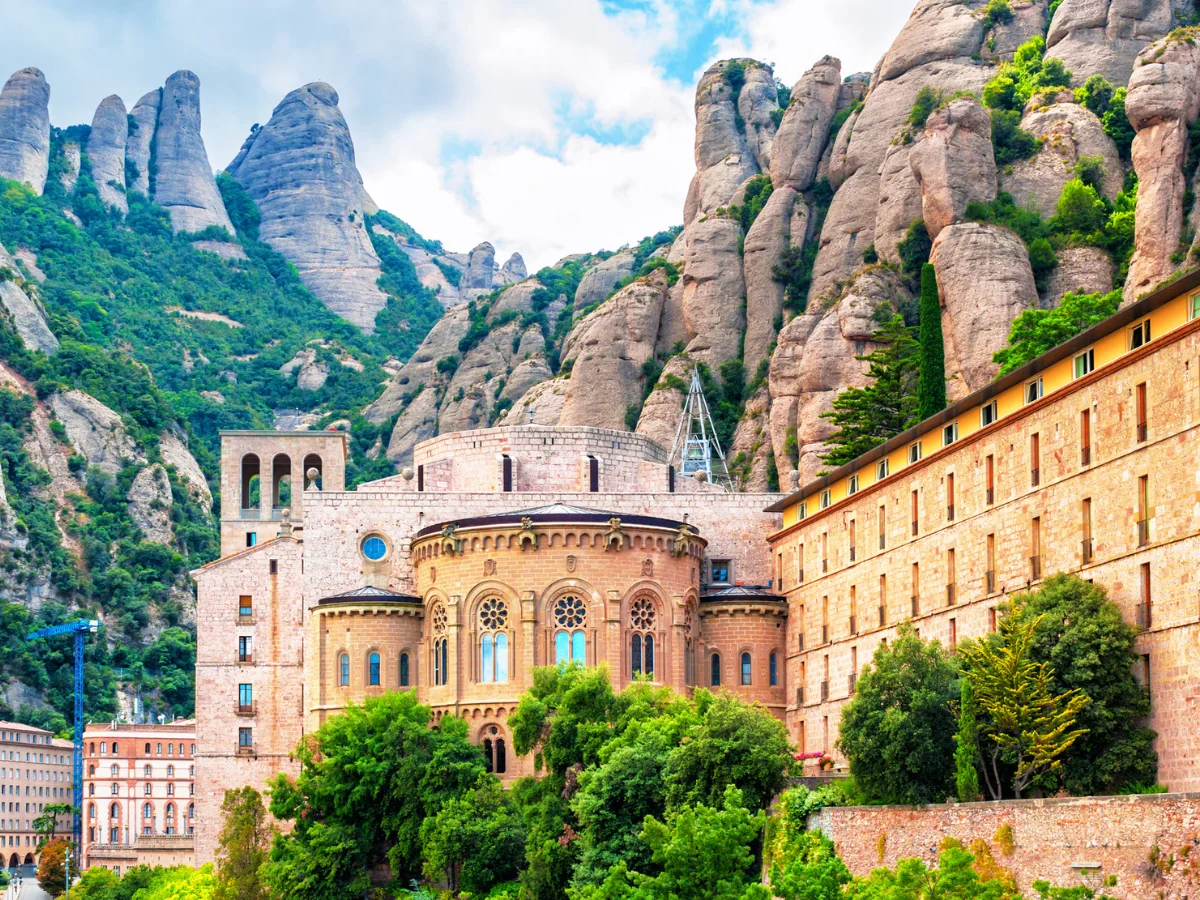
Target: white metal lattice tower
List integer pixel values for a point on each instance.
(697, 448)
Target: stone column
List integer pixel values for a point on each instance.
(454, 650)
(528, 637)
(616, 652)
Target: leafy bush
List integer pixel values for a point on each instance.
(997, 12)
(1035, 331)
(927, 100)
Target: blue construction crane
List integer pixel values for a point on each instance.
(78, 628)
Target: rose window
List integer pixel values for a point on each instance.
(493, 614)
(570, 612)
(439, 620)
(642, 613)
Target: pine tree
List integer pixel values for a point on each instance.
(866, 417)
(242, 846)
(966, 746)
(1027, 724)
(932, 392)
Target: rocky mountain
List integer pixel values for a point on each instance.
(1025, 148)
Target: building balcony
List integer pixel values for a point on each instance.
(882, 616)
(800, 696)
(1142, 432)
(914, 527)
(883, 542)
(854, 624)
(800, 641)
(853, 682)
(853, 553)
(246, 750)
(245, 659)
(245, 618)
(824, 565)
(824, 634)
(991, 496)
(1143, 615)
(245, 709)
(800, 577)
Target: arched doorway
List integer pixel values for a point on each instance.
(251, 486)
(14, 861)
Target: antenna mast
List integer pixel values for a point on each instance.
(697, 449)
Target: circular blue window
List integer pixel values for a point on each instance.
(374, 548)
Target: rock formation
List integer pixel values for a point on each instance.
(149, 504)
(1164, 99)
(25, 128)
(299, 168)
(984, 282)
(800, 141)
(184, 185)
(769, 236)
(25, 313)
(609, 348)
(513, 269)
(94, 430)
(953, 163)
(1105, 36)
(139, 139)
(1071, 132)
(663, 409)
(599, 281)
(106, 150)
(713, 287)
(481, 267)
(725, 157)
(1081, 270)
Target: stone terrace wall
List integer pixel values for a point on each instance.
(734, 525)
(1051, 839)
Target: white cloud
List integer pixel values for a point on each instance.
(472, 119)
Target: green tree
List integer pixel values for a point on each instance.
(931, 392)
(1035, 331)
(1081, 209)
(368, 780)
(811, 870)
(1090, 647)
(953, 879)
(867, 417)
(242, 846)
(966, 746)
(565, 717)
(46, 825)
(898, 730)
(474, 841)
(701, 852)
(1027, 723)
(1096, 94)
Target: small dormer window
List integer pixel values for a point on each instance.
(949, 434)
(804, 510)
(825, 499)
(1085, 362)
(1139, 334)
(881, 470)
(914, 452)
(1033, 390)
(852, 485)
(987, 414)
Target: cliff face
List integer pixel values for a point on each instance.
(299, 168)
(25, 128)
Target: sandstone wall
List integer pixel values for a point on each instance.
(1067, 842)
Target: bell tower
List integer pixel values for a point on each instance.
(265, 476)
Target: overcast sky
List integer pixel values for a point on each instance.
(544, 126)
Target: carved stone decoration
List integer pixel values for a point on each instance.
(527, 534)
(648, 567)
(432, 574)
(571, 562)
(489, 567)
(615, 539)
(680, 543)
(450, 544)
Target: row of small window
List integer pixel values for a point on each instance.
(34, 774)
(18, 737)
(147, 789)
(54, 759)
(1084, 364)
(374, 676)
(114, 811)
(158, 749)
(745, 669)
(115, 770)
(14, 790)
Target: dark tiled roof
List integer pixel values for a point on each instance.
(368, 594)
(715, 594)
(555, 512)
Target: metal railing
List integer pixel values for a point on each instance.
(1085, 456)
(951, 594)
(883, 542)
(1035, 567)
(1141, 432)
(824, 565)
(950, 512)
(916, 605)
(1086, 549)
(854, 624)
(1143, 530)
(991, 496)
(1035, 477)
(882, 616)
(989, 581)
(824, 634)
(914, 524)
(800, 641)
(853, 682)
(1144, 614)
(246, 658)
(853, 553)
(800, 696)
(801, 574)
(246, 709)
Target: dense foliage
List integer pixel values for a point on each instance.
(1035, 331)
(149, 883)
(795, 267)
(931, 386)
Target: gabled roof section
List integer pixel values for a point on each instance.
(739, 592)
(273, 542)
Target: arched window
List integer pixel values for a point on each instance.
(103, 749)
(146, 771)
(115, 770)
(774, 666)
(170, 771)
(641, 644)
(170, 790)
(373, 669)
(147, 748)
(114, 748)
(91, 770)
(92, 748)
(170, 810)
(495, 757)
(146, 789)
(441, 661)
(92, 789)
(745, 668)
(403, 670)
(147, 811)
(344, 670)
(715, 680)
(116, 789)
(91, 810)
(570, 641)
(251, 482)
(493, 645)
(114, 811)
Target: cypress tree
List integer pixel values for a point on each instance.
(932, 391)
(966, 747)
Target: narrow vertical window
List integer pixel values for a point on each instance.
(853, 540)
(773, 664)
(916, 589)
(715, 677)
(914, 513)
(502, 657)
(403, 670)
(990, 478)
(344, 670)
(745, 668)
(882, 527)
(990, 572)
(373, 669)
(507, 473)
(1035, 556)
(1143, 510)
(951, 578)
(1140, 400)
(1146, 618)
(853, 609)
(487, 658)
(1035, 460)
(882, 600)
(949, 496)
(1086, 544)
(420, 478)
(635, 655)
(1085, 438)
(562, 649)
(593, 474)
(578, 647)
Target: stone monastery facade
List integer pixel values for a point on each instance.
(500, 550)
(510, 548)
